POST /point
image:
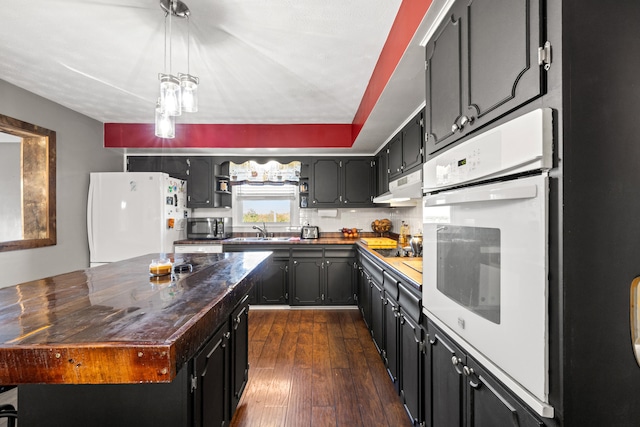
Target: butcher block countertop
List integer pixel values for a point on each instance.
(114, 324)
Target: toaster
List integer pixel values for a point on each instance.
(309, 232)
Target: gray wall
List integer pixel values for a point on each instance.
(79, 143)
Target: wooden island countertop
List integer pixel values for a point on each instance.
(113, 324)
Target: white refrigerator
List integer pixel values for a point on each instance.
(134, 213)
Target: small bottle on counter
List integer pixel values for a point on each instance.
(402, 240)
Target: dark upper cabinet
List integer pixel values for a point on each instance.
(202, 174)
(200, 183)
(405, 149)
(177, 167)
(394, 156)
(359, 183)
(444, 79)
(347, 182)
(382, 172)
(325, 182)
(412, 143)
(143, 164)
(221, 185)
(482, 62)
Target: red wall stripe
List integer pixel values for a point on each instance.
(140, 135)
(121, 135)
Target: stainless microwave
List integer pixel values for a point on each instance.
(209, 228)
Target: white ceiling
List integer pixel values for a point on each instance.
(259, 61)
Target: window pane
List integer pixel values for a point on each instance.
(266, 211)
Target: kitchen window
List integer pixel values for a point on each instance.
(274, 205)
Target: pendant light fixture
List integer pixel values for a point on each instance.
(177, 93)
(165, 124)
(189, 83)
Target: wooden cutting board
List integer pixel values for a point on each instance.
(379, 242)
(415, 264)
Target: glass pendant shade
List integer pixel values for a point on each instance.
(189, 85)
(170, 95)
(165, 124)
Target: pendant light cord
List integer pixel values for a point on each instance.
(171, 11)
(188, 43)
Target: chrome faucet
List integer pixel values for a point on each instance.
(262, 231)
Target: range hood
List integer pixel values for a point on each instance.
(404, 191)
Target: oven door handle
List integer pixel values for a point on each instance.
(470, 195)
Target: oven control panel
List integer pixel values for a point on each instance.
(520, 145)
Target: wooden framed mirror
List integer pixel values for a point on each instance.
(28, 191)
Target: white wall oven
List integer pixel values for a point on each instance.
(485, 250)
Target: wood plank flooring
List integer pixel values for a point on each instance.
(315, 367)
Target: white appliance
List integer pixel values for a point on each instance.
(134, 213)
(485, 251)
(403, 190)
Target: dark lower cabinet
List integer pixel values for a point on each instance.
(323, 275)
(490, 404)
(210, 381)
(307, 276)
(445, 392)
(411, 341)
(274, 281)
(272, 286)
(364, 295)
(221, 371)
(460, 392)
(439, 384)
(395, 311)
(378, 302)
(391, 328)
(239, 351)
(339, 279)
(204, 393)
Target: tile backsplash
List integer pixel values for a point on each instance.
(352, 218)
(362, 218)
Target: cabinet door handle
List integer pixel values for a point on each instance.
(456, 362)
(455, 128)
(465, 120)
(474, 381)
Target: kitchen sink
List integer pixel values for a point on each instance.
(259, 239)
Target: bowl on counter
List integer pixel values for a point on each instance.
(350, 233)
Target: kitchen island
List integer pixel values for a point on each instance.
(111, 346)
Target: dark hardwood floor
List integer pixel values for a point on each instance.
(315, 368)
